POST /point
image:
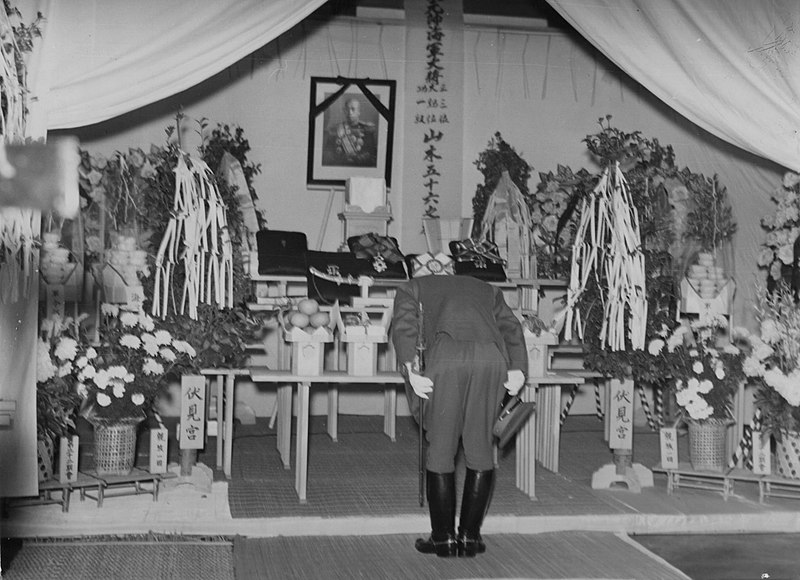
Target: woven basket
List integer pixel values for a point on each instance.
(707, 444)
(787, 451)
(115, 445)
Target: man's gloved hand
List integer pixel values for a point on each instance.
(515, 381)
(421, 385)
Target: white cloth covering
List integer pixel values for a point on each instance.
(730, 66)
(100, 59)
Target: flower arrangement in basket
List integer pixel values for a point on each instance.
(706, 373)
(135, 359)
(774, 362)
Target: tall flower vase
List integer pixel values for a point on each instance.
(787, 452)
(707, 444)
(115, 445)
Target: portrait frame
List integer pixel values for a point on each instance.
(336, 153)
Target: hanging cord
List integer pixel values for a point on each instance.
(353, 63)
(475, 62)
(382, 53)
(500, 46)
(744, 451)
(570, 401)
(598, 405)
(332, 52)
(651, 422)
(525, 84)
(546, 67)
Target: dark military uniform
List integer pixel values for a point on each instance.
(353, 145)
(472, 338)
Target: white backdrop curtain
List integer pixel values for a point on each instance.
(102, 58)
(730, 66)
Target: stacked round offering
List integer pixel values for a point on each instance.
(127, 259)
(54, 261)
(307, 316)
(706, 277)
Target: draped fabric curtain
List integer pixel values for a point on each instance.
(730, 66)
(102, 58)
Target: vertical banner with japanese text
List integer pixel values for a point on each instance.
(433, 96)
(193, 411)
(621, 414)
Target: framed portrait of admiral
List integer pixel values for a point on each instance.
(350, 130)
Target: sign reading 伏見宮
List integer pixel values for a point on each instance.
(620, 407)
(193, 411)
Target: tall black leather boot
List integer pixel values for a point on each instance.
(478, 487)
(441, 489)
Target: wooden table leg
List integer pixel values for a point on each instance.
(221, 425)
(548, 425)
(390, 412)
(230, 381)
(526, 443)
(301, 457)
(285, 424)
(333, 412)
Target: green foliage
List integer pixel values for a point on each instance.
(498, 156)
(710, 220)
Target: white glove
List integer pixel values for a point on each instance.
(421, 385)
(515, 381)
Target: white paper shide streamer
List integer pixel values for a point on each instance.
(18, 226)
(196, 239)
(608, 247)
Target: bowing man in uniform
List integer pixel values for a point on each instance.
(474, 348)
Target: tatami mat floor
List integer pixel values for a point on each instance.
(363, 510)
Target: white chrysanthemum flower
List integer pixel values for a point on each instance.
(81, 362)
(137, 399)
(65, 369)
(130, 341)
(146, 322)
(101, 378)
(697, 367)
(167, 354)
(151, 367)
(771, 331)
(763, 351)
(103, 400)
(163, 337)
(693, 353)
(129, 378)
(655, 347)
(109, 309)
(731, 349)
(117, 371)
(705, 386)
(692, 384)
(45, 369)
(91, 353)
(150, 348)
(719, 372)
(119, 389)
(128, 318)
(752, 367)
(67, 348)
